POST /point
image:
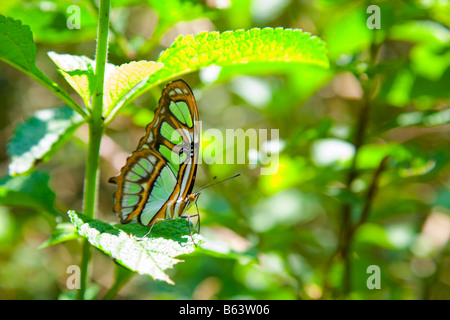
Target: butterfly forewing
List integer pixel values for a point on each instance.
(161, 171)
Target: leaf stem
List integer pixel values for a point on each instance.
(56, 90)
(95, 135)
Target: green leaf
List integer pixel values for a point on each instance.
(78, 72)
(370, 233)
(28, 191)
(40, 136)
(17, 47)
(151, 255)
(52, 20)
(346, 31)
(123, 78)
(420, 31)
(63, 232)
(171, 11)
(370, 155)
(18, 50)
(191, 53)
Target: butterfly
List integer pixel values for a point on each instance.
(157, 180)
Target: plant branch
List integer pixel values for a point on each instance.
(95, 134)
(96, 121)
(368, 82)
(121, 278)
(346, 224)
(370, 194)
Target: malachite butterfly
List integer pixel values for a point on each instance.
(157, 180)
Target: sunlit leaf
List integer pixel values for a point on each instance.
(151, 255)
(191, 53)
(78, 72)
(123, 78)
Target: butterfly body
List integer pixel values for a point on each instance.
(157, 180)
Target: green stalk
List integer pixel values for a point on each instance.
(95, 135)
(122, 277)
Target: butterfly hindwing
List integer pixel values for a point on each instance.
(161, 171)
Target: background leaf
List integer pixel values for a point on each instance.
(28, 191)
(19, 50)
(39, 137)
(63, 232)
(49, 19)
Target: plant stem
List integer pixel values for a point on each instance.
(95, 135)
(96, 121)
(122, 277)
(346, 234)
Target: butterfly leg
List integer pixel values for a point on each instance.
(189, 224)
(198, 219)
(151, 227)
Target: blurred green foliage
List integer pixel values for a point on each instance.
(333, 209)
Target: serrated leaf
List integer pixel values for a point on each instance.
(63, 232)
(191, 53)
(18, 49)
(78, 72)
(123, 78)
(28, 191)
(151, 255)
(256, 45)
(40, 136)
(17, 46)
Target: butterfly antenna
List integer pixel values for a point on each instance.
(203, 186)
(207, 186)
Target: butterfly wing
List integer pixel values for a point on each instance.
(162, 170)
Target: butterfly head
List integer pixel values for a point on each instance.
(193, 197)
